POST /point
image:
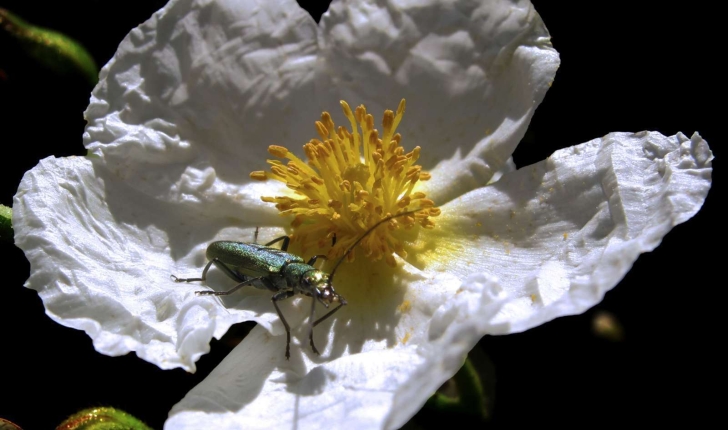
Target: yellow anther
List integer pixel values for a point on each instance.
(412, 172)
(345, 107)
(387, 118)
(370, 122)
(278, 170)
(278, 151)
(401, 107)
(327, 121)
(258, 175)
(390, 260)
(321, 130)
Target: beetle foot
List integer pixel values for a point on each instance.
(204, 293)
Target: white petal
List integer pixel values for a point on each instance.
(582, 217)
(354, 391)
(560, 233)
(171, 127)
(102, 253)
(199, 91)
(368, 351)
(473, 73)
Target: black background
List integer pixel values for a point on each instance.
(624, 68)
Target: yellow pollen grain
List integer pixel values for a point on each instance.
(352, 178)
(404, 307)
(406, 337)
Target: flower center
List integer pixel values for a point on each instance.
(352, 180)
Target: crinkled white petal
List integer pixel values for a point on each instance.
(181, 115)
(193, 97)
(473, 73)
(102, 254)
(560, 233)
(581, 219)
(551, 239)
(368, 351)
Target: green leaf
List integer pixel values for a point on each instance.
(50, 48)
(470, 391)
(7, 425)
(104, 418)
(6, 224)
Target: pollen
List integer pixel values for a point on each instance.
(352, 179)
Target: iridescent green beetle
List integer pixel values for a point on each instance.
(279, 271)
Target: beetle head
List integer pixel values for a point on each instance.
(319, 283)
(326, 295)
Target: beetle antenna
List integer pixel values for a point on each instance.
(377, 224)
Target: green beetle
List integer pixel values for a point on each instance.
(279, 271)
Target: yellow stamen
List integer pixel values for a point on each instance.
(352, 180)
(258, 175)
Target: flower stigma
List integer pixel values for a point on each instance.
(352, 180)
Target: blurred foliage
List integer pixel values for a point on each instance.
(6, 224)
(7, 425)
(49, 48)
(471, 391)
(102, 419)
(606, 325)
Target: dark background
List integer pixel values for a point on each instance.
(623, 69)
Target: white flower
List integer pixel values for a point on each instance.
(185, 111)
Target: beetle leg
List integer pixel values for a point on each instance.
(255, 238)
(202, 278)
(284, 246)
(227, 270)
(310, 325)
(327, 315)
(282, 296)
(313, 259)
(220, 265)
(230, 291)
(315, 323)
